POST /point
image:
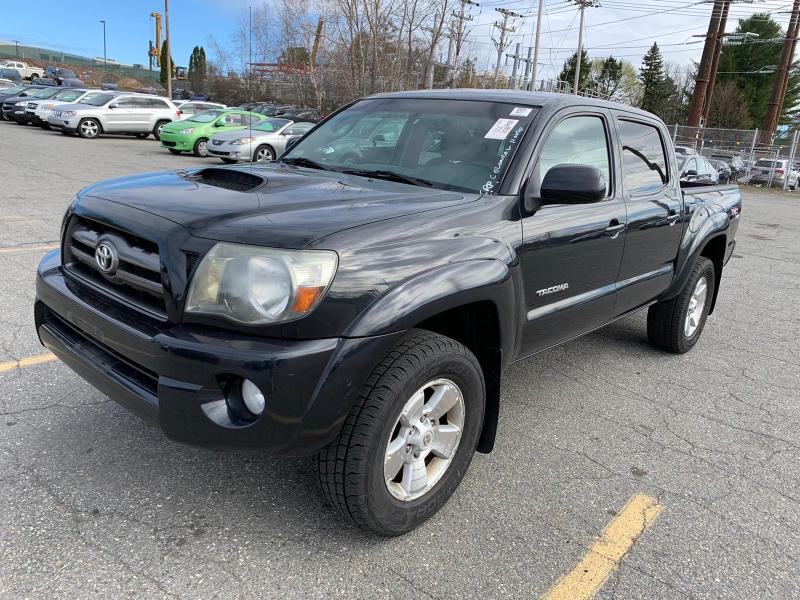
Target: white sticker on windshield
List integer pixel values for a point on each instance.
(501, 129)
(520, 111)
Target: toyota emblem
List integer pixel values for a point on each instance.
(105, 255)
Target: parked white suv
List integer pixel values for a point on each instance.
(41, 108)
(771, 172)
(114, 112)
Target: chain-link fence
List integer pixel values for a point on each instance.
(752, 162)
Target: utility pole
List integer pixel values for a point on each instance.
(105, 58)
(704, 74)
(512, 83)
(501, 45)
(781, 82)
(169, 56)
(458, 34)
(532, 84)
(16, 47)
(583, 5)
(712, 77)
(315, 47)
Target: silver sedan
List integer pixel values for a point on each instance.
(264, 141)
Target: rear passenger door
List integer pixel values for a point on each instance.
(655, 212)
(571, 253)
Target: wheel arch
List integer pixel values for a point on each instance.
(473, 302)
(96, 120)
(714, 250)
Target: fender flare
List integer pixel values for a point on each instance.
(692, 246)
(437, 290)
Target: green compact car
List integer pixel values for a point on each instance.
(192, 134)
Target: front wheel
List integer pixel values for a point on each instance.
(675, 325)
(201, 148)
(89, 129)
(409, 438)
(264, 153)
(173, 151)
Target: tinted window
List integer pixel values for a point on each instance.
(577, 141)
(644, 164)
(270, 125)
(205, 117)
(97, 99)
(298, 128)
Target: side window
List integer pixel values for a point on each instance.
(691, 165)
(644, 163)
(577, 140)
(125, 102)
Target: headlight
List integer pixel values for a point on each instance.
(244, 140)
(69, 113)
(257, 286)
(186, 131)
(47, 106)
(23, 103)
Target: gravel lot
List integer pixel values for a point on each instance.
(96, 504)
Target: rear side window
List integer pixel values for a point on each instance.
(644, 163)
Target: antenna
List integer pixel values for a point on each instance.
(250, 84)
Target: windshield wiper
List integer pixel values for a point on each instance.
(389, 176)
(299, 161)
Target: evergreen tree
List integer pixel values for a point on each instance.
(654, 80)
(197, 69)
(568, 71)
(606, 76)
(163, 75)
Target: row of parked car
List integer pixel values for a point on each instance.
(253, 132)
(724, 167)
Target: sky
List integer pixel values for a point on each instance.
(624, 28)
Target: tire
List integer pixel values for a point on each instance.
(89, 129)
(201, 148)
(173, 151)
(157, 129)
(351, 471)
(669, 323)
(264, 153)
(142, 136)
(44, 126)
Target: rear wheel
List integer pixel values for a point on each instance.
(89, 129)
(409, 438)
(675, 325)
(141, 136)
(201, 148)
(157, 129)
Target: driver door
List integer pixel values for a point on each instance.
(571, 253)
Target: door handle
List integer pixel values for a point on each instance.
(614, 228)
(673, 218)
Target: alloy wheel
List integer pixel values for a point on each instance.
(424, 440)
(697, 304)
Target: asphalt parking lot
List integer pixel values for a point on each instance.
(96, 504)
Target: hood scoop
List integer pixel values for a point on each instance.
(229, 179)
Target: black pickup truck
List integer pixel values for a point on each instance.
(363, 309)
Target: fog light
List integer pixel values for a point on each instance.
(252, 397)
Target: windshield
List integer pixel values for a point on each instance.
(14, 90)
(271, 125)
(205, 117)
(460, 145)
(44, 92)
(68, 95)
(97, 99)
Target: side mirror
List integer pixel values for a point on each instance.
(291, 143)
(113, 105)
(379, 138)
(691, 173)
(221, 123)
(573, 184)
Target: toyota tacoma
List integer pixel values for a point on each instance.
(363, 311)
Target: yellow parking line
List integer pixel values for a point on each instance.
(17, 249)
(605, 554)
(27, 362)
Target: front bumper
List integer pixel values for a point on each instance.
(177, 142)
(69, 124)
(171, 375)
(231, 151)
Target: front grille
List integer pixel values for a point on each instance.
(132, 272)
(167, 143)
(217, 142)
(219, 153)
(32, 105)
(56, 113)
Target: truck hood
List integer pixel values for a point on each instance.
(287, 207)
